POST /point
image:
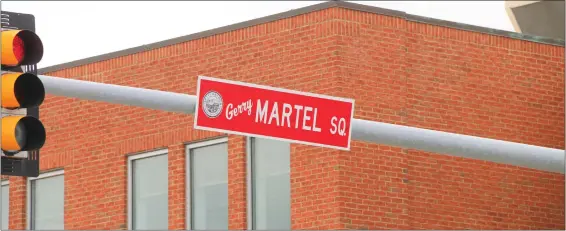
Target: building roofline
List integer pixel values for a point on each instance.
(296, 12)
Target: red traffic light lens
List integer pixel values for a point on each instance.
(19, 49)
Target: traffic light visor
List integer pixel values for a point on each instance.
(21, 90)
(21, 47)
(22, 133)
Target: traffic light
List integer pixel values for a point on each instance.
(20, 47)
(20, 90)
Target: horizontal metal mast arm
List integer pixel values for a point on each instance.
(505, 152)
(499, 151)
(154, 99)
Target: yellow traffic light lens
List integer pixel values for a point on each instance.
(22, 133)
(21, 47)
(21, 90)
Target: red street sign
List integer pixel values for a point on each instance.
(261, 111)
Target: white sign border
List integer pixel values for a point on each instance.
(195, 126)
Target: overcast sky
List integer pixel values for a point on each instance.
(75, 30)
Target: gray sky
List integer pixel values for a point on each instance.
(95, 28)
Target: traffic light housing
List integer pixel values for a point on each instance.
(20, 92)
(20, 47)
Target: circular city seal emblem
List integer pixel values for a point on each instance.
(212, 104)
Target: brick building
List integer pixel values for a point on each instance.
(117, 167)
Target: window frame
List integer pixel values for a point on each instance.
(129, 190)
(4, 183)
(60, 172)
(249, 183)
(188, 175)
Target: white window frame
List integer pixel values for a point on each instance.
(4, 183)
(188, 176)
(28, 193)
(249, 184)
(131, 159)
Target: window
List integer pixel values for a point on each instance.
(269, 162)
(5, 204)
(148, 191)
(207, 179)
(46, 201)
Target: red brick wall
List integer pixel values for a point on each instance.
(398, 71)
(451, 80)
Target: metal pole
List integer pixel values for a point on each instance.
(505, 152)
(154, 99)
(524, 155)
